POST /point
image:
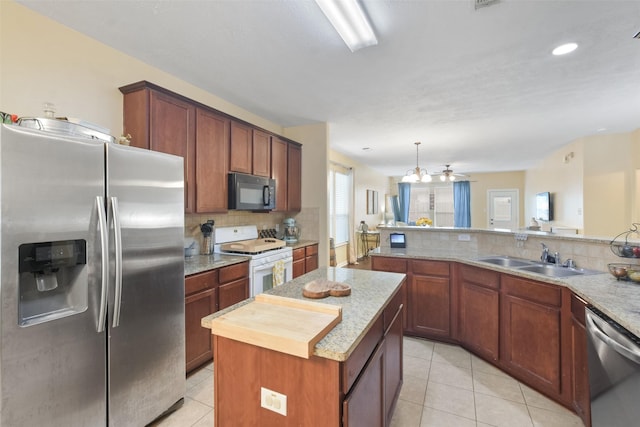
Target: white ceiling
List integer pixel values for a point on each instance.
(479, 88)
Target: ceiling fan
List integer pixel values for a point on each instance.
(448, 175)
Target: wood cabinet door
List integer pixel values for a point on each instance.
(241, 148)
(298, 268)
(579, 362)
(212, 148)
(430, 306)
(392, 365)
(232, 293)
(279, 172)
(364, 405)
(478, 319)
(198, 348)
(530, 344)
(294, 178)
(310, 263)
(172, 130)
(261, 154)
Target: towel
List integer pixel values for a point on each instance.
(278, 273)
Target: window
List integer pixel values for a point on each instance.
(434, 202)
(340, 194)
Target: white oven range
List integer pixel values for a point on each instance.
(266, 254)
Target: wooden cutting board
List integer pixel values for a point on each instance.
(287, 325)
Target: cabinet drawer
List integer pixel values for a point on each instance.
(393, 265)
(541, 293)
(311, 250)
(430, 268)
(298, 254)
(352, 367)
(479, 276)
(234, 272)
(198, 282)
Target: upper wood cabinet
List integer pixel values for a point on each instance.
(261, 154)
(240, 158)
(279, 172)
(294, 177)
(212, 144)
(161, 122)
(212, 148)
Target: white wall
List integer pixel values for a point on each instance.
(364, 178)
(313, 219)
(594, 183)
(41, 60)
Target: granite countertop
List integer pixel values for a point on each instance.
(199, 263)
(370, 292)
(619, 300)
(302, 244)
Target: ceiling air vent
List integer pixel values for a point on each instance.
(482, 3)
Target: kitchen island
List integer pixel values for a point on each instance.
(353, 376)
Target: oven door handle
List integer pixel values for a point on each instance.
(593, 326)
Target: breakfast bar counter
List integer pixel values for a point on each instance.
(354, 371)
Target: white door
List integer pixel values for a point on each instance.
(503, 212)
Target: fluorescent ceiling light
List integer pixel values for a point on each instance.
(564, 49)
(349, 20)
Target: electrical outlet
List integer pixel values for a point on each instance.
(273, 401)
(464, 237)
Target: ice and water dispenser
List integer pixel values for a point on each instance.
(53, 283)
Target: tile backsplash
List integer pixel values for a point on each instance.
(307, 219)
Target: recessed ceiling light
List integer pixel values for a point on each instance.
(601, 129)
(565, 48)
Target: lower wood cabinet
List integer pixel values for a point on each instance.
(206, 293)
(479, 309)
(358, 409)
(198, 339)
(429, 299)
(581, 400)
(305, 260)
(530, 323)
(360, 391)
(533, 330)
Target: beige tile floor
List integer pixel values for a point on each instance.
(444, 386)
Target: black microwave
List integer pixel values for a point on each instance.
(251, 193)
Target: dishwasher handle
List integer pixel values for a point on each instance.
(612, 339)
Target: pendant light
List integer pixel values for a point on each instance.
(417, 174)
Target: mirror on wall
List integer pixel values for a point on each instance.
(372, 202)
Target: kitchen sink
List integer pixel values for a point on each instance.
(549, 270)
(552, 270)
(506, 261)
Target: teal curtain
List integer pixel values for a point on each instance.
(462, 204)
(404, 196)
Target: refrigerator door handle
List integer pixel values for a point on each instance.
(104, 255)
(117, 231)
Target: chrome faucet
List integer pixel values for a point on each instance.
(545, 253)
(556, 258)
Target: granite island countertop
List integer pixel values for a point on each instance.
(371, 291)
(200, 263)
(620, 300)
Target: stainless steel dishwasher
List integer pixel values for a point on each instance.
(614, 371)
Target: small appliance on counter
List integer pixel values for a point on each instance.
(207, 237)
(291, 231)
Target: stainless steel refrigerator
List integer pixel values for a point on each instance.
(92, 291)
